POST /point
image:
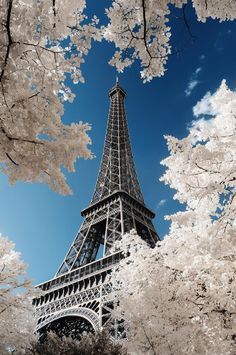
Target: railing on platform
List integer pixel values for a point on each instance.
(82, 271)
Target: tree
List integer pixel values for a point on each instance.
(16, 311)
(90, 344)
(42, 44)
(42, 47)
(180, 296)
(140, 30)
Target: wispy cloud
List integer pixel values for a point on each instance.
(191, 85)
(197, 71)
(221, 38)
(202, 57)
(160, 204)
(193, 82)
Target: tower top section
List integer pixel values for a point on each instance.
(117, 89)
(117, 170)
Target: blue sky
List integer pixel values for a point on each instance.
(43, 223)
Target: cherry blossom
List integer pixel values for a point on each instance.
(16, 293)
(140, 30)
(179, 298)
(42, 45)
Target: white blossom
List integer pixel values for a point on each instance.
(42, 44)
(42, 47)
(16, 292)
(140, 30)
(179, 298)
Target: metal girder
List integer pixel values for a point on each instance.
(81, 284)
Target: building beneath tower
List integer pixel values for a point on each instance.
(79, 297)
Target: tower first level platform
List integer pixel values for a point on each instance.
(79, 297)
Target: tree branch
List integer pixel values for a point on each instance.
(145, 28)
(20, 139)
(10, 158)
(186, 22)
(148, 339)
(3, 310)
(8, 23)
(54, 12)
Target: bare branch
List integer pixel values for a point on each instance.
(20, 139)
(10, 158)
(3, 310)
(145, 28)
(8, 23)
(54, 12)
(187, 23)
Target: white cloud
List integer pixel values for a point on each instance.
(191, 85)
(198, 71)
(206, 110)
(193, 82)
(204, 106)
(160, 204)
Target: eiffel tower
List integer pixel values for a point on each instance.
(79, 297)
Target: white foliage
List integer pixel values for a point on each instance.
(203, 164)
(140, 30)
(16, 292)
(42, 47)
(179, 298)
(42, 43)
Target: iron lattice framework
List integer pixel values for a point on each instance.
(80, 287)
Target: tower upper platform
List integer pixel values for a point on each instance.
(117, 89)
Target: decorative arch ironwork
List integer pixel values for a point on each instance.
(82, 312)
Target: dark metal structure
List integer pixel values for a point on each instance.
(80, 294)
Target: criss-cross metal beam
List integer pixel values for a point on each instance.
(117, 206)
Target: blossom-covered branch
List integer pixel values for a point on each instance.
(141, 31)
(39, 49)
(16, 293)
(42, 47)
(183, 290)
